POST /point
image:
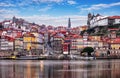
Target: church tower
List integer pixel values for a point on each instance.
(69, 23)
(89, 19)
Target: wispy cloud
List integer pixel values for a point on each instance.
(45, 8)
(48, 1)
(76, 20)
(8, 13)
(2, 4)
(71, 2)
(100, 6)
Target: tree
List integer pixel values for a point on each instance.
(88, 50)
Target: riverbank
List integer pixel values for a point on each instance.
(108, 57)
(56, 57)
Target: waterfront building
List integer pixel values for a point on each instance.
(39, 35)
(115, 43)
(6, 46)
(28, 40)
(80, 43)
(19, 44)
(85, 39)
(4, 43)
(32, 42)
(76, 44)
(41, 42)
(7, 39)
(57, 44)
(36, 44)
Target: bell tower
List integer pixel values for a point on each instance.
(69, 23)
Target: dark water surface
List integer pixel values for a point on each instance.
(59, 69)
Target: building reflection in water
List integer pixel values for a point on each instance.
(59, 69)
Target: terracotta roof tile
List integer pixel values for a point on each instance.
(114, 17)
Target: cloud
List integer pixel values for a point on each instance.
(100, 6)
(8, 13)
(76, 20)
(6, 4)
(48, 1)
(71, 2)
(45, 9)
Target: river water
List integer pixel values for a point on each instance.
(59, 69)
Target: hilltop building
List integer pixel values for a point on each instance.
(99, 20)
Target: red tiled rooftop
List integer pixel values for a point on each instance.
(114, 17)
(11, 39)
(63, 31)
(19, 34)
(6, 21)
(28, 34)
(77, 36)
(57, 37)
(117, 40)
(113, 29)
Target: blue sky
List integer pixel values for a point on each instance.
(57, 12)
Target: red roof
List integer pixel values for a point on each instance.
(19, 34)
(11, 39)
(50, 31)
(63, 31)
(54, 33)
(60, 27)
(57, 37)
(117, 40)
(6, 21)
(113, 29)
(28, 34)
(105, 39)
(114, 17)
(67, 38)
(77, 36)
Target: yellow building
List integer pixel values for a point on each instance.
(95, 38)
(115, 43)
(115, 46)
(80, 43)
(82, 28)
(28, 40)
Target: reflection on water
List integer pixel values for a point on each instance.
(59, 69)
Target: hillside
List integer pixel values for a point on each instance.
(103, 30)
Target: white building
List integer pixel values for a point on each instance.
(99, 20)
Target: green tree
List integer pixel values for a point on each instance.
(88, 50)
